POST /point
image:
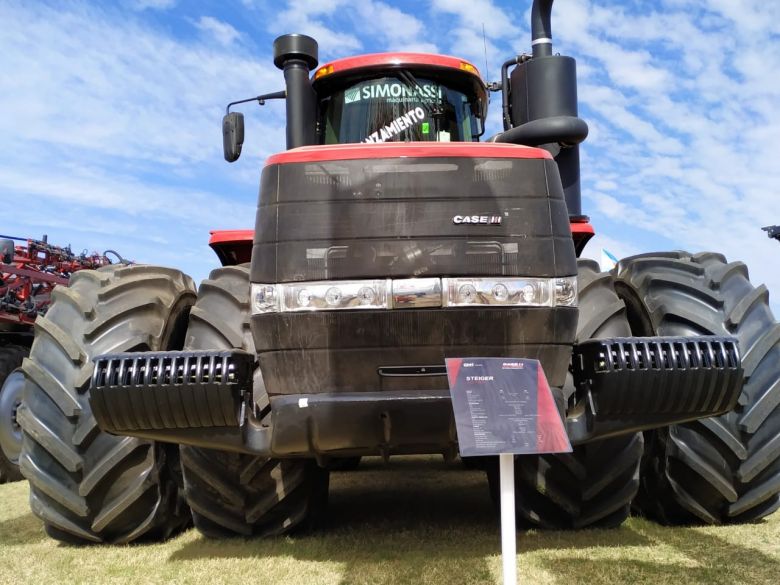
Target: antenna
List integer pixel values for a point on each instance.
(484, 45)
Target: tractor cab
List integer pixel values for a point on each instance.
(399, 97)
(375, 98)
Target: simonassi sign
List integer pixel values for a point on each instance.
(408, 102)
(394, 93)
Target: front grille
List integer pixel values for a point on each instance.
(395, 218)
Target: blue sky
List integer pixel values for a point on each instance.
(110, 114)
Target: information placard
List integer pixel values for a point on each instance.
(504, 405)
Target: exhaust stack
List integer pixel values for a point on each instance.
(543, 105)
(541, 32)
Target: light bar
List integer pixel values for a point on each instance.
(413, 293)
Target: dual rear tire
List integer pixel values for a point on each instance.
(594, 485)
(234, 494)
(723, 469)
(89, 486)
(717, 470)
(86, 485)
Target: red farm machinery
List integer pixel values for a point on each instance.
(389, 237)
(29, 273)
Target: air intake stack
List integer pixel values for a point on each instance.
(297, 55)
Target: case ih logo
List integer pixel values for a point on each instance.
(480, 219)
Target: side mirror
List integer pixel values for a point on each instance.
(232, 135)
(474, 111)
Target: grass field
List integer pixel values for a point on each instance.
(414, 520)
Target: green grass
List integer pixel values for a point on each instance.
(415, 520)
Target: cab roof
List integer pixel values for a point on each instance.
(384, 60)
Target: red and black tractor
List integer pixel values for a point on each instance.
(28, 274)
(388, 238)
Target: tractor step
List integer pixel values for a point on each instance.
(645, 382)
(170, 390)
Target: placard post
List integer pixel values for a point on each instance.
(508, 531)
(504, 406)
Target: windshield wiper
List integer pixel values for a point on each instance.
(434, 113)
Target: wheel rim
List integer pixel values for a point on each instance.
(10, 432)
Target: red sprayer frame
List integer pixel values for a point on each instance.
(26, 283)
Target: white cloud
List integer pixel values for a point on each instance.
(111, 133)
(748, 16)
(396, 29)
(105, 208)
(107, 114)
(118, 89)
(619, 248)
(465, 39)
(153, 4)
(305, 17)
(681, 128)
(223, 32)
(371, 23)
(475, 13)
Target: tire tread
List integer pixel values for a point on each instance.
(723, 469)
(234, 494)
(594, 485)
(87, 485)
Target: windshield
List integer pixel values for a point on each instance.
(398, 108)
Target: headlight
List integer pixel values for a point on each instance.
(413, 293)
(313, 296)
(264, 299)
(504, 292)
(565, 291)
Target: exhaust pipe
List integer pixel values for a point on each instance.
(543, 105)
(541, 32)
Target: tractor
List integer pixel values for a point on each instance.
(389, 237)
(29, 272)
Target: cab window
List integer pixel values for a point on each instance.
(398, 108)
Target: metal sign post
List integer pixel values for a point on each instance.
(504, 407)
(508, 529)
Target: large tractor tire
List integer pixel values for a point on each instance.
(234, 494)
(722, 469)
(87, 485)
(594, 485)
(11, 385)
